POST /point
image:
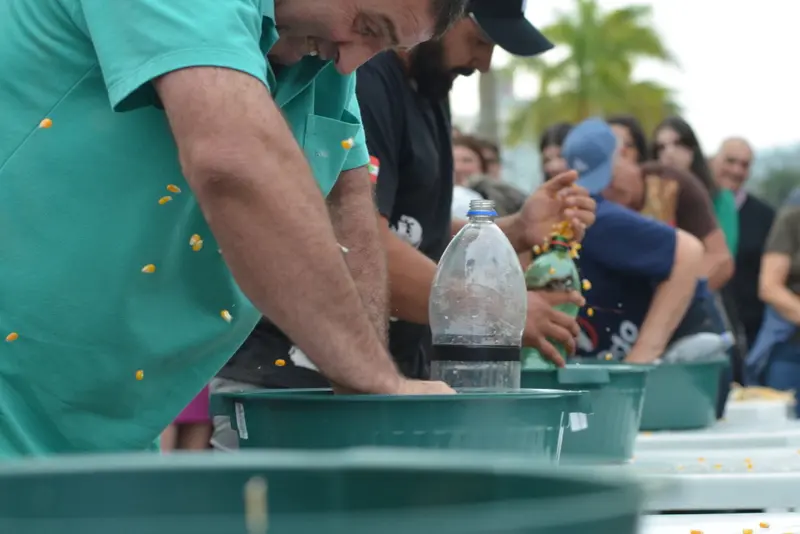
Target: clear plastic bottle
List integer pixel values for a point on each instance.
(698, 347)
(478, 307)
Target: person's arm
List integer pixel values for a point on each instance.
(247, 173)
(695, 215)
(670, 300)
(781, 246)
(355, 222)
(629, 243)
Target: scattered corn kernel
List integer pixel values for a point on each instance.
(537, 249)
(197, 245)
(587, 285)
(194, 239)
(747, 531)
(46, 123)
(149, 268)
(717, 466)
(280, 363)
(609, 357)
(696, 532)
(139, 374)
(347, 144)
(763, 524)
(13, 336)
(164, 200)
(552, 270)
(590, 312)
(173, 188)
(226, 315)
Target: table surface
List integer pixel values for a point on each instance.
(720, 524)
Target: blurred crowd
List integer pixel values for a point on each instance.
(750, 256)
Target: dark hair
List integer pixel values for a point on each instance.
(687, 138)
(445, 13)
(634, 127)
(475, 145)
(554, 135)
(488, 145)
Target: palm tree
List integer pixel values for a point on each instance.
(596, 75)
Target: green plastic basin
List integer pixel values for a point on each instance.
(354, 492)
(682, 396)
(525, 421)
(617, 395)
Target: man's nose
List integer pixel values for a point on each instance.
(352, 56)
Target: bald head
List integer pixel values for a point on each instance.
(731, 165)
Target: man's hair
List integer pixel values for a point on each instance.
(445, 13)
(474, 145)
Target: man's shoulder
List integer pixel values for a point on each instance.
(384, 69)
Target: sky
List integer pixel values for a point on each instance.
(736, 65)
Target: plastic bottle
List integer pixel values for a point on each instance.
(552, 270)
(698, 347)
(477, 307)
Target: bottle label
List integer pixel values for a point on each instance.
(471, 353)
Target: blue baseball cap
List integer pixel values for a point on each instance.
(589, 149)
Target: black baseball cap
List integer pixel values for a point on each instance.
(505, 23)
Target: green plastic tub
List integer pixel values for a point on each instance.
(525, 421)
(353, 492)
(682, 396)
(617, 394)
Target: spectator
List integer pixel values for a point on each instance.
(675, 144)
(669, 195)
(779, 288)
(731, 166)
(467, 162)
(491, 155)
(553, 137)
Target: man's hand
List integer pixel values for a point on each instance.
(408, 387)
(642, 355)
(544, 324)
(553, 202)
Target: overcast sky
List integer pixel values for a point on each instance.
(739, 63)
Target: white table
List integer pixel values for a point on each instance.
(738, 433)
(720, 524)
(758, 411)
(724, 479)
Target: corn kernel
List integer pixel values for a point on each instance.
(763, 524)
(194, 239)
(747, 531)
(46, 123)
(552, 270)
(696, 532)
(347, 144)
(587, 285)
(590, 312)
(13, 336)
(609, 357)
(280, 363)
(717, 466)
(537, 249)
(149, 268)
(226, 316)
(164, 200)
(139, 374)
(173, 188)
(197, 245)
(701, 460)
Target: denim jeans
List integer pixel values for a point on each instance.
(783, 370)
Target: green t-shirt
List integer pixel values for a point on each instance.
(728, 218)
(101, 354)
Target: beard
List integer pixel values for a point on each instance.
(427, 68)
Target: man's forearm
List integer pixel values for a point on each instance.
(411, 276)
(672, 298)
(786, 303)
(355, 222)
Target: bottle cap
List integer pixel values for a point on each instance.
(481, 207)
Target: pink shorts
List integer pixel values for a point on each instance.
(196, 411)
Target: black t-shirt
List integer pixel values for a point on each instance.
(409, 141)
(410, 137)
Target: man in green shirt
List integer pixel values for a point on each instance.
(162, 185)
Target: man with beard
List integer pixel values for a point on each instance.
(404, 101)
